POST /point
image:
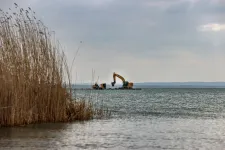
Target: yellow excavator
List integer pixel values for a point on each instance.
(126, 84)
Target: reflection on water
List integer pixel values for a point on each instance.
(126, 133)
(32, 136)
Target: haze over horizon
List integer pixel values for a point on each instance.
(144, 41)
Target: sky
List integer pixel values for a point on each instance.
(142, 40)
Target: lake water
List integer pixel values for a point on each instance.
(142, 119)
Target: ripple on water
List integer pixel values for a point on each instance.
(146, 119)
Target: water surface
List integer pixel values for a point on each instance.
(146, 119)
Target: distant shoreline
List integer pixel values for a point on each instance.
(169, 85)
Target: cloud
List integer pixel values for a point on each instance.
(5, 4)
(160, 3)
(145, 40)
(212, 27)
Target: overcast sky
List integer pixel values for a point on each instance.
(143, 40)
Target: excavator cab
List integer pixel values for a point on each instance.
(125, 84)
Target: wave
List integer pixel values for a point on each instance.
(169, 114)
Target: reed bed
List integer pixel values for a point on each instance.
(34, 76)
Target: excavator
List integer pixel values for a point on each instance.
(126, 84)
(97, 87)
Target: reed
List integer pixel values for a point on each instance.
(34, 76)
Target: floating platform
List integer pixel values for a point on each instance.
(109, 89)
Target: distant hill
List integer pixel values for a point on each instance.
(166, 85)
(181, 84)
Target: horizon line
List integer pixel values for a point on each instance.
(163, 82)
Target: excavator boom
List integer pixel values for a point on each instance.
(126, 84)
(119, 76)
(114, 78)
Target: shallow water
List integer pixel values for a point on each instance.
(146, 119)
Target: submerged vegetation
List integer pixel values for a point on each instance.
(35, 79)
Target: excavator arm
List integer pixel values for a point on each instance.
(125, 83)
(114, 78)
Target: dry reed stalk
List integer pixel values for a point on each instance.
(34, 75)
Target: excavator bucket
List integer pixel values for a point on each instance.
(113, 83)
